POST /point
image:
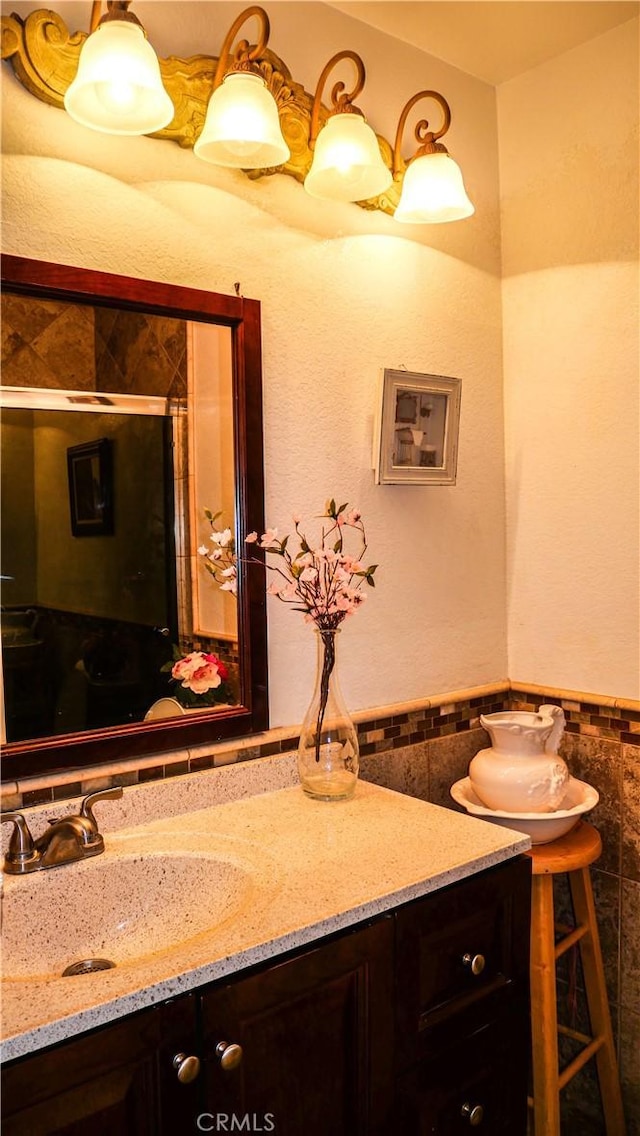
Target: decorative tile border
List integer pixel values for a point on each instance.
(379, 734)
(591, 715)
(379, 731)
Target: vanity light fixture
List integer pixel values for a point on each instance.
(242, 125)
(347, 164)
(117, 88)
(254, 116)
(432, 188)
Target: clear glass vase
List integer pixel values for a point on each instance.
(328, 747)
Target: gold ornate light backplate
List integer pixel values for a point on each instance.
(44, 56)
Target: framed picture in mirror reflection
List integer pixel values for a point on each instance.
(90, 472)
(416, 429)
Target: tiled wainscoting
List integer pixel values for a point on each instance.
(421, 749)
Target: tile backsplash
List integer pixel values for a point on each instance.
(382, 734)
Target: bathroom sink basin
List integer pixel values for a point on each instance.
(123, 906)
(13, 639)
(17, 629)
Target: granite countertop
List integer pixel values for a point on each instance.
(295, 870)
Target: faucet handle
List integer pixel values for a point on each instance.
(86, 808)
(22, 850)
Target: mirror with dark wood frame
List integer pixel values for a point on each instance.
(167, 580)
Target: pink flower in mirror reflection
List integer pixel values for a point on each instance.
(222, 538)
(231, 579)
(220, 561)
(200, 672)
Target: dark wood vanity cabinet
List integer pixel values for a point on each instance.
(416, 1023)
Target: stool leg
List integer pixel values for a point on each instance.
(544, 1019)
(596, 991)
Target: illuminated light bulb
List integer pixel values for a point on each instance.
(117, 96)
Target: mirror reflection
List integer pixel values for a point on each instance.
(116, 435)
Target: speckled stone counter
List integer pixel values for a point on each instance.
(272, 871)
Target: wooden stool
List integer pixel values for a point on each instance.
(571, 854)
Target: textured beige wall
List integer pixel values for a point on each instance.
(569, 184)
(343, 293)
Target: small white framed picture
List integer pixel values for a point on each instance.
(416, 429)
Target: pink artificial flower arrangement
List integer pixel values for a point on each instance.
(323, 582)
(202, 679)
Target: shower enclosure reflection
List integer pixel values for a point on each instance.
(87, 617)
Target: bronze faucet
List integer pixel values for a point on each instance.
(69, 838)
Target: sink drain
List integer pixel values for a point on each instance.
(87, 966)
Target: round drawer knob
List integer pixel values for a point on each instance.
(474, 1113)
(187, 1068)
(229, 1054)
(475, 963)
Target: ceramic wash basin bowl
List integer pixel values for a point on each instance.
(541, 827)
(124, 906)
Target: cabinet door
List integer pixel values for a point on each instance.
(462, 956)
(477, 1085)
(118, 1079)
(316, 1036)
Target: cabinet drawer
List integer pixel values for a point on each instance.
(464, 950)
(478, 1085)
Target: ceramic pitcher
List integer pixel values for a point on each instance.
(522, 772)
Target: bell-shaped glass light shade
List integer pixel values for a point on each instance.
(242, 127)
(433, 191)
(118, 88)
(347, 163)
